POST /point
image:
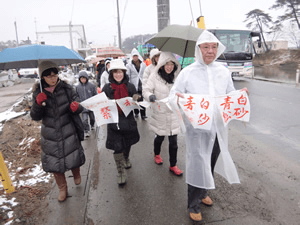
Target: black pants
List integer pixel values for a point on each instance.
(142, 111)
(195, 194)
(173, 147)
(125, 151)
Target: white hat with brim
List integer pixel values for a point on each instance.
(117, 64)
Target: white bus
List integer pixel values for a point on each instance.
(239, 50)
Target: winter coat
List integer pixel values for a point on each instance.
(104, 76)
(86, 90)
(61, 147)
(213, 79)
(136, 77)
(125, 133)
(99, 73)
(162, 122)
(149, 69)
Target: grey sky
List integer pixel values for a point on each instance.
(99, 17)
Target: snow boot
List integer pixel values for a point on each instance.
(120, 163)
(62, 186)
(76, 175)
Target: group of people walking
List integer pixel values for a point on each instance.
(163, 78)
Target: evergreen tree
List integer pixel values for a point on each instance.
(256, 19)
(292, 10)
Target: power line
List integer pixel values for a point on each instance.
(124, 12)
(192, 12)
(72, 10)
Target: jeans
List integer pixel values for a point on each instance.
(85, 120)
(173, 147)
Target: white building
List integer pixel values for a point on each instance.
(70, 36)
(272, 45)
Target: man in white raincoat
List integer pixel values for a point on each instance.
(135, 71)
(203, 148)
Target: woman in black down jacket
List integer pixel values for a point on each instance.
(120, 136)
(61, 147)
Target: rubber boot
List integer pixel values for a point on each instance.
(62, 186)
(76, 175)
(120, 163)
(127, 162)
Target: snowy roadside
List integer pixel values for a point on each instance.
(23, 175)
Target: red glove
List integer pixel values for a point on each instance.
(74, 106)
(41, 98)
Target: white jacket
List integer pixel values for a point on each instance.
(213, 79)
(162, 122)
(133, 74)
(150, 69)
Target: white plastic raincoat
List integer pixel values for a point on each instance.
(133, 74)
(213, 79)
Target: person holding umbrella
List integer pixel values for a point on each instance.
(163, 121)
(121, 136)
(203, 148)
(53, 102)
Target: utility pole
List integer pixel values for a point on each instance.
(163, 14)
(119, 26)
(71, 38)
(16, 33)
(37, 40)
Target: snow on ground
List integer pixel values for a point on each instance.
(31, 177)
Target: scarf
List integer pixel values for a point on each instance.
(169, 78)
(120, 92)
(137, 65)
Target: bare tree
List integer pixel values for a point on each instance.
(256, 19)
(293, 34)
(292, 10)
(275, 32)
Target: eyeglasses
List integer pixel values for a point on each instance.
(52, 76)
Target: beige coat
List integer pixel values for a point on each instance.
(163, 122)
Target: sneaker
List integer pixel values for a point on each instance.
(92, 127)
(136, 115)
(158, 160)
(176, 171)
(196, 216)
(144, 117)
(207, 201)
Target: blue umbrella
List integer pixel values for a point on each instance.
(29, 56)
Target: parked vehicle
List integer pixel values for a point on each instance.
(239, 51)
(28, 73)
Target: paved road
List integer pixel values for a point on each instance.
(10, 95)
(266, 153)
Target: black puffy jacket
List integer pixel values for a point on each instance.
(125, 133)
(61, 147)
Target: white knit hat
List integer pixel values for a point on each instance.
(117, 64)
(46, 65)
